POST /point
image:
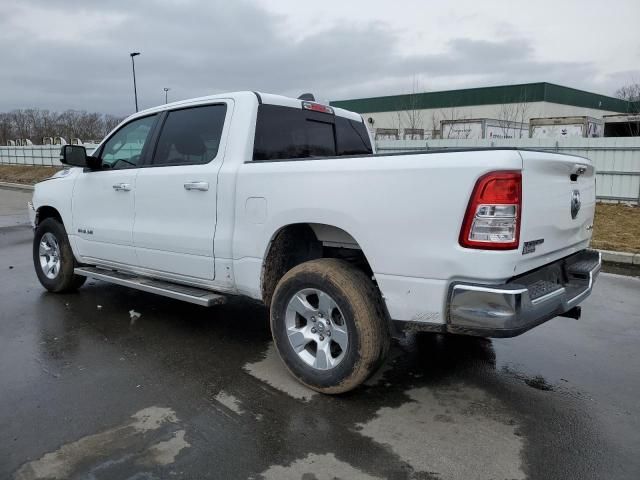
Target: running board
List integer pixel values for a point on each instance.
(199, 296)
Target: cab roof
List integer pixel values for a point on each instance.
(260, 97)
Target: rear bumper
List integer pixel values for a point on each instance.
(526, 301)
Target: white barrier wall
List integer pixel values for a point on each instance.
(47, 155)
(617, 160)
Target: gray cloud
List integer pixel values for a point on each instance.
(79, 59)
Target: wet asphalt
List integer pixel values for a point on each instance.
(87, 391)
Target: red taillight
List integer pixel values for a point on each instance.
(492, 221)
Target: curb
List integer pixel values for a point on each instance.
(16, 186)
(620, 257)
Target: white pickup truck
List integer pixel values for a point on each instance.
(283, 200)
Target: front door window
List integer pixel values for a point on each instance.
(124, 149)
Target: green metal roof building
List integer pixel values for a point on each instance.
(526, 92)
(522, 102)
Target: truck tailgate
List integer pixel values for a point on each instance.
(558, 206)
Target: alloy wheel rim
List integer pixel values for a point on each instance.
(316, 329)
(49, 253)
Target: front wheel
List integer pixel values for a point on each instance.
(53, 258)
(328, 325)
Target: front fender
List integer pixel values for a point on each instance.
(57, 193)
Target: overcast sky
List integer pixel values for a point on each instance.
(62, 54)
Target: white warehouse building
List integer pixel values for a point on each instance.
(419, 115)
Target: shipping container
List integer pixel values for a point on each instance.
(622, 125)
(483, 128)
(387, 134)
(561, 127)
(413, 134)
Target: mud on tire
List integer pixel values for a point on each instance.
(357, 309)
(51, 245)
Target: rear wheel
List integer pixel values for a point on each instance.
(53, 258)
(328, 325)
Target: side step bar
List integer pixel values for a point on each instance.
(199, 296)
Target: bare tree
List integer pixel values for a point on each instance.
(110, 122)
(35, 124)
(21, 125)
(524, 117)
(435, 125)
(512, 114)
(6, 128)
(451, 115)
(410, 115)
(511, 117)
(631, 93)
(507, 116)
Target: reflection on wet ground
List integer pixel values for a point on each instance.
(191, 392)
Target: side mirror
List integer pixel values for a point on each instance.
(76, 156)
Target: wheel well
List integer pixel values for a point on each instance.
(47, 212)
(299, 243)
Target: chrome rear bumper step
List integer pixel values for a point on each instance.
(514, 307)
(199, 296)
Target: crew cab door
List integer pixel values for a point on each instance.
(175, 217)
(103, 200)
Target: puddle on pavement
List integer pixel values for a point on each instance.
(272, 371)
(427, 426)
(316, 467)
(230, 401)
(432, 434)
(166, 451)
(113, 447)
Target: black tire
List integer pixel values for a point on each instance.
(64, 280)
(360, 307)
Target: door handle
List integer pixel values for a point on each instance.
(122, 187)
(204, 186)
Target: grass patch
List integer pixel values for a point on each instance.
(617, 227)
(25, 174)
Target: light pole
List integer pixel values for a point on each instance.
(166, 89)
(133, 67)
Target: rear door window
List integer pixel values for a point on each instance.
(190, 136)
(290, 133)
